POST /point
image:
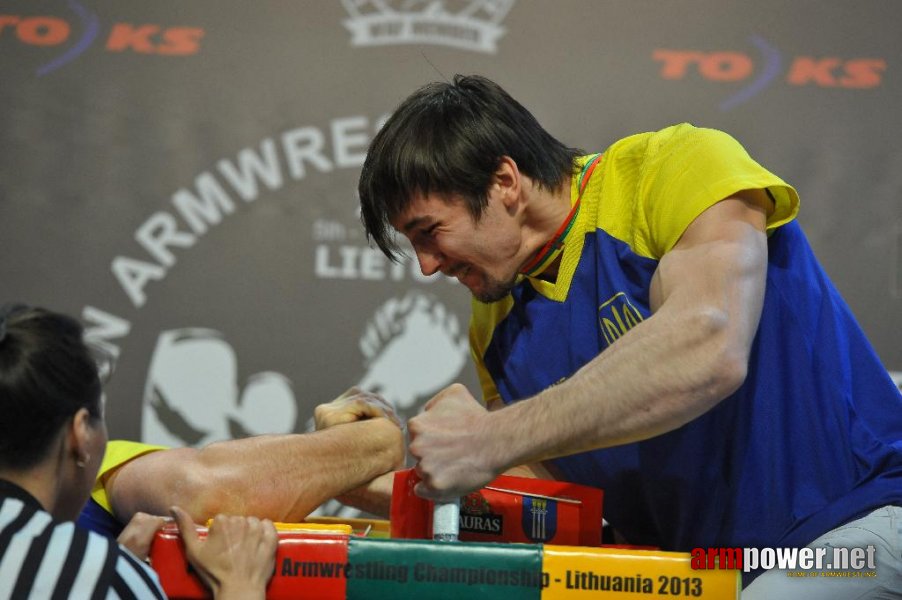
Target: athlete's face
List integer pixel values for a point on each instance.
(483, 255)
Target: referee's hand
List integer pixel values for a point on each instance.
(236, 559)
(138, 534)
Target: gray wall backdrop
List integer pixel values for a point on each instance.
(181, 175)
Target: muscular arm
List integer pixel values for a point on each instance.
(706, 297)
(536, 470)
(279, 477)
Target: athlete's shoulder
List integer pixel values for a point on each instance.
(119, 452)
(674, 139)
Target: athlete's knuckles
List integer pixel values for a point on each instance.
(457, 389)
(426, 477)
(415, 449)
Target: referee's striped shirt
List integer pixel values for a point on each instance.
(41, 557)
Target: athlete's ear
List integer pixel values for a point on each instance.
(507, 181)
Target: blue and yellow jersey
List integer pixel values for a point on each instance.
(97, 515)
(723, 479)
(645, 192)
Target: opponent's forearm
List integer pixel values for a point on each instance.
(288, 478)
(373, 497)
(280, 477)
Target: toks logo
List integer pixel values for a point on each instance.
(733, 66)
(48, 31)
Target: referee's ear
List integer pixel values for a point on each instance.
(87, 442)
(81, 447)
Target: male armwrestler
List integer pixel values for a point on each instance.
(278, 477)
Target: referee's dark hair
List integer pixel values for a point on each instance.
(47, 374)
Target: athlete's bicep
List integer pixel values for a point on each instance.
(149, 483)
(719, 265)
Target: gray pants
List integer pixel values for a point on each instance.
(881, 529)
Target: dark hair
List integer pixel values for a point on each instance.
(47, 374)
(448, 139)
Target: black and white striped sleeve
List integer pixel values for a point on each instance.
(42, 558)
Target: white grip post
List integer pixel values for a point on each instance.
(445, 521)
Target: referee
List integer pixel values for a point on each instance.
(52, 440)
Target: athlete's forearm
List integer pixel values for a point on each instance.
(646, 384)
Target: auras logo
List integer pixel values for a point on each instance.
(74, 34)
(767, 66)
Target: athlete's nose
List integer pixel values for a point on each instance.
(430, 261)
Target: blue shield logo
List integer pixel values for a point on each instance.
(539, 518)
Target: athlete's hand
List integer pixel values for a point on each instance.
(453, 446)
(353, 405)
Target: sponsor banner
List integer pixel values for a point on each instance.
(311, 561)
(326, 564)
(450, 570)
(766, 65)
(60, 38)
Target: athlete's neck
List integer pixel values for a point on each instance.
(549, 218)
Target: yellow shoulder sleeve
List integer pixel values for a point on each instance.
(690, 169)
(656, 184)
(118, 452)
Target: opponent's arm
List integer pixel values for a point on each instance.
(706, 296)
(279, 477)
(374, 496)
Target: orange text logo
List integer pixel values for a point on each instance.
(767, 67)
